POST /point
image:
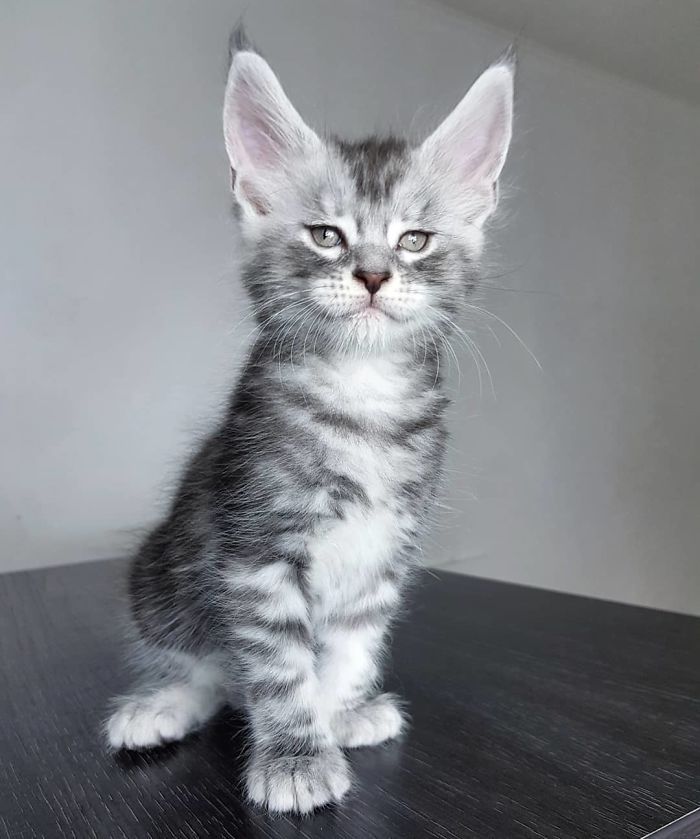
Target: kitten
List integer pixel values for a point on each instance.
(296, 525)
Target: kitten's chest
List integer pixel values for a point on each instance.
(371, 518)
(367, 528)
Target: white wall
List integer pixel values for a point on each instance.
(121, 320)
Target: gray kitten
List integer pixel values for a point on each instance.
(296, 525)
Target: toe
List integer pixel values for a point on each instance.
(298, 784)
(369, 724)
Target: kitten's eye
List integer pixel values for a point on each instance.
(414, 240)
(326, 237)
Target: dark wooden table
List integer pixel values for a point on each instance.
(534, 715)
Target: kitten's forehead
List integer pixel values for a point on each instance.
(373, 182)
(375, 165)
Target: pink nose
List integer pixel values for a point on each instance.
(372, 279)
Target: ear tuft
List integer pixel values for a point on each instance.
(508, 58)
(239, 42)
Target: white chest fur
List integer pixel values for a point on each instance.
(351, 549)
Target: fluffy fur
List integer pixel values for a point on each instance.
(282, 561)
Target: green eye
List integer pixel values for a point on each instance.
(414, 240)
(326, 237)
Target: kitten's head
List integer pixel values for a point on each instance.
(365, 244)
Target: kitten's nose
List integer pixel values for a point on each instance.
(372, 279)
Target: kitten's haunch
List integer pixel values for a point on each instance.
(277, 573)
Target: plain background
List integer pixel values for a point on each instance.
(122, 322)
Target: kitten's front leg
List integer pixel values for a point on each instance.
(295, 765)
(349, 673)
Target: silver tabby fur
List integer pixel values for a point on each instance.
(274, 579)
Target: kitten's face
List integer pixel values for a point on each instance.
(361, 245)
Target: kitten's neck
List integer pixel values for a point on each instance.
(416, 361)
(360, 378)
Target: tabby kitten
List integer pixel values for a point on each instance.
(282, 561)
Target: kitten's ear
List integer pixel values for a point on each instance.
(263, 132)
(471, 144)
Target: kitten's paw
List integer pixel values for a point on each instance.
(370, 723)
(297, 784)
(164, 716)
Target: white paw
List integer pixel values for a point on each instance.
(143, 722)
(297, 784)
(369, 724)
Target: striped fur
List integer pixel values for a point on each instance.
(278, 571)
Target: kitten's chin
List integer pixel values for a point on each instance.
(368, 327)
(372, 314)
(375, 328)
(377, 312)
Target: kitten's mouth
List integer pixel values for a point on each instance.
(374, 311)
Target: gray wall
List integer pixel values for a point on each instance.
(122, 322)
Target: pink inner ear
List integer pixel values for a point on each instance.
(256, 143)
(485, 147)
(263, 132)
(256, 132)
(474, 138)
(267, 132)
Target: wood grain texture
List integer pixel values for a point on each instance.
(534, 715)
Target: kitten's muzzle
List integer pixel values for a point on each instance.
(372, 280)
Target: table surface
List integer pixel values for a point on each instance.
(534, 714)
